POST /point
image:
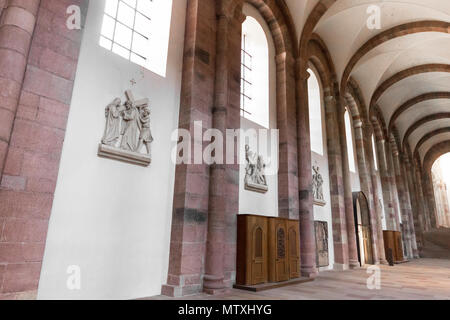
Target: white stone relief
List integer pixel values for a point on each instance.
(317, 181)
(255, 178)
(127, 131)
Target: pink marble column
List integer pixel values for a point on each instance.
(366, 185)
(411, 203)
(348, 195)
(393, 183)
(403, 204)
(386, 185)
(376, 196)
(424, 216)
(307, 237)
(340, 237)
(17, 24)
(213, 281)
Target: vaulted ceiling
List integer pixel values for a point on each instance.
(402, 68)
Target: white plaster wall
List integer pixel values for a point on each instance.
(252, 202)
(110, 218)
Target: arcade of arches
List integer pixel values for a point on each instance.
(358, 91)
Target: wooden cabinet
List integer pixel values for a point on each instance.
(252, 254)
(393, 241)
(268, 250)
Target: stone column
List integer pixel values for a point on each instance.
(391, 222)
(414, 213)
(340, 237)
(17, 24)
(366, 185)
(306, 213)
(409, 204)
(423, 204)
(213, 281)
(376, 197)
(403, 204)
(393, 183)
(429, 193)
(348, 195)
(191, 192)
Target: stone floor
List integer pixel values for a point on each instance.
(424, 279)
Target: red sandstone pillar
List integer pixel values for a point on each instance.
(348, 195)
(393, 183)
(403, 204)
(214, 264)
(366, 185)
(340, 237)
(306, 213)
(412, 205)
(376, 196)
(17, 24)
(386, 185)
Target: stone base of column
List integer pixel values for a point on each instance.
(384, 261)
(354, 264)
(341, 267)
(178, 291)
(309, 272)
(214, 285)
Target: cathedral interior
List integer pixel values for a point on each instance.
(224, 149)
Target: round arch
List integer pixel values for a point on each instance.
(390, 34)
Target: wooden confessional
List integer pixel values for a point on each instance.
(393, 241)
(268, 250)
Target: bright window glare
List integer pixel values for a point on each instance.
(445, 167)
(375, 159)
(350, 146)
(138, 30)
(315, 113)
(254, 73)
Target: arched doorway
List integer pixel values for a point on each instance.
(363, 231)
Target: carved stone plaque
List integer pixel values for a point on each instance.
(255, 178)
(127, 131)
(321, 230)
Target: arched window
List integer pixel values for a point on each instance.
(315, 113)
(375, 157)
(350, 146)
(254, 73)
(138, 30)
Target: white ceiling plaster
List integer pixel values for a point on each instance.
(344, 30)
(420, 111)
(300, 11)
(418, 134)
(431, 143)
(412, 87)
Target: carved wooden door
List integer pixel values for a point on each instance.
(368, 253)
(259, 262)
(294, 249)
(282, 263)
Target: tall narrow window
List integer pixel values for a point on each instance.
(138, 30)
(315, 113)
(375, 158)
(350, 145)
(254, 73)
(246, 77)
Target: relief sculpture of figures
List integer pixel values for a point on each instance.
(112, 128)
(127, 131)
(255, 178)
(317, 182)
